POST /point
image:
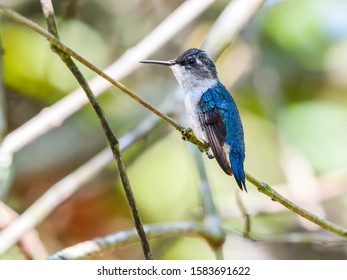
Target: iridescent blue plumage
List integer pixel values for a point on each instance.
(224, 130)
(211, 110)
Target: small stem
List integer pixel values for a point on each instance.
(248, 221)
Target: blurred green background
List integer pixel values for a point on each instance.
(287, 72)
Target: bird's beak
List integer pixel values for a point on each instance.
(160, 62)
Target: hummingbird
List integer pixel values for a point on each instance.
(211, 111)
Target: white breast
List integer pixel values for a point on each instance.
(193, 88)
(191, 104)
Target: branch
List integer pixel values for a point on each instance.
(275, 196)
(121, 238)
(303, 237)
(106, 243)
(29, 243)
(48, 13)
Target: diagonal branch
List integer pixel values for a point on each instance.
(275, 196)
(29, 243)
(48, 12)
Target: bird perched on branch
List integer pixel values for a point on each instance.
(211, 111)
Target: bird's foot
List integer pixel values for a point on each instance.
(209, 154)
(186, 133)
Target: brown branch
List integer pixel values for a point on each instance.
(122, 238)
(48, 12)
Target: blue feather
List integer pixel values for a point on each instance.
(237, 167)
(219, 100)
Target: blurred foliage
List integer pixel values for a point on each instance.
(287, 72)
(166, 179)
(309, 34)
(47, 79)
(319, 135)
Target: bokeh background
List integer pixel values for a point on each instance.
(287, 73)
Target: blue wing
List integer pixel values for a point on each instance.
(223, 126)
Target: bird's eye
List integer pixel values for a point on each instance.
(191, 61)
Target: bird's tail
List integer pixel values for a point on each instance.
(238, 171)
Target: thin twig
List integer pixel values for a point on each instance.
(248, 221)
(48, 13)
(304, 237)
(275, 196)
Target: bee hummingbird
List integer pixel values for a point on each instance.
(211, 111)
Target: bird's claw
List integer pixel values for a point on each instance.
(210, 156)
(208, 152)
(186, 133)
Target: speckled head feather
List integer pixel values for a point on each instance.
(197, 59)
